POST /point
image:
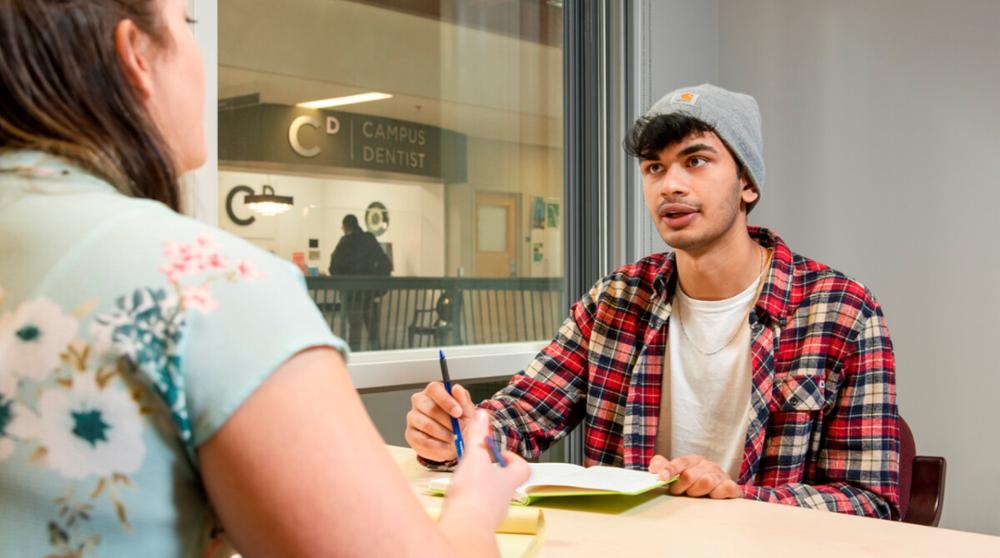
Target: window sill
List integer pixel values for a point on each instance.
(383, 370)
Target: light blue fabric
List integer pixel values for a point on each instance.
(128, 335)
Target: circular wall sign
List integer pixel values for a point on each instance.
(376, 218)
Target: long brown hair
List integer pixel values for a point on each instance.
(63, 91)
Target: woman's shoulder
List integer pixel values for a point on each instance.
(56, 213)
(143, 237)
(164, 231)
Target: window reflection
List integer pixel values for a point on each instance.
(436, 125)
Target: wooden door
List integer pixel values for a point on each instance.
(497, 231)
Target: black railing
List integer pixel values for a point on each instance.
(383, 313)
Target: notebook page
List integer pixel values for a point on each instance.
(545, 474)
(612, 478)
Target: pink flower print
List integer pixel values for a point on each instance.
(205, 241)
(198, 257)
(213, 262)
(198, 298)
(205, 252)
(203, 256)
(176, 250)
(176, 269)
(247, 271)
(205, 245)
(170, 249)
(180, 260)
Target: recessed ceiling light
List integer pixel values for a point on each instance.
(348, 100)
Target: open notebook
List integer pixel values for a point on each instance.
(549, 480)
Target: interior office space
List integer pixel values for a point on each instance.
(879, 137)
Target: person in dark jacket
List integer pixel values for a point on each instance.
(359, 253)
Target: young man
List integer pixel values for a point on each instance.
(748, 370)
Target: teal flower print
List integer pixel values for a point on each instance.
(89, 426)
(32, 338)
(147, 329)
(88, 430)
(14, 418)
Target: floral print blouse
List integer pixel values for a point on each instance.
(128, 335)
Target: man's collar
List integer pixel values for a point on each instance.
(773, 299)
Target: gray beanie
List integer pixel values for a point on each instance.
(735, 117)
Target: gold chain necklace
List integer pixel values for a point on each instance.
(739, 327)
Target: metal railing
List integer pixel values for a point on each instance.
(387, 313)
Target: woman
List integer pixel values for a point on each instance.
(153, 369)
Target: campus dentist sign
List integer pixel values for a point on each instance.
(293, 135)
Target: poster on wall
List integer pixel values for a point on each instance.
(537, 212)
(552, 214)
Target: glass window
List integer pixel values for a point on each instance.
(407, 155)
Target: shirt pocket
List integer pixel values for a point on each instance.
(797, 392)
(795, 418)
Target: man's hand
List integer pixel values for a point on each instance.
(698, 477)
(428, 424)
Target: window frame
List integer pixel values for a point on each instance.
(593, 55)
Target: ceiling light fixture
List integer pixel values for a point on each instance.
(267, 202)
(348, 100)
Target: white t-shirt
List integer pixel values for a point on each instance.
(706, 397)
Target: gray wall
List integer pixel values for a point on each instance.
(676, 44)
(881, 141)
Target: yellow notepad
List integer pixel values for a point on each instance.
(549, 480)
(521, 533)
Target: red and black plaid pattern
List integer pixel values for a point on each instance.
(823, 432)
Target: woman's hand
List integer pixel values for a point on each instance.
(480, 492)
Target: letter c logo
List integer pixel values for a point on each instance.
(293, 135)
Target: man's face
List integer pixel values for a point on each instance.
(693, 192)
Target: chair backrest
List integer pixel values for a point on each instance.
(921, 482)
(907, 451)
(446, 308)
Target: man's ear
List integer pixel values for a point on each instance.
(135, 50)
(748, 192)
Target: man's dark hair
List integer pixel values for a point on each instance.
(650, 135)
(350, 222)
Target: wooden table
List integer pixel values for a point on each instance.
(662, 525)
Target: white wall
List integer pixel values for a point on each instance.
(881, 136)
(200, 188)
(416, 217)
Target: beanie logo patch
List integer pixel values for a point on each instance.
(684, 98)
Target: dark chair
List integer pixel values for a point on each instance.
(440, 322)
(921, 482)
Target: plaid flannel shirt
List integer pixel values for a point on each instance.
(823, 430)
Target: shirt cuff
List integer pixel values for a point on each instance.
(444, 466)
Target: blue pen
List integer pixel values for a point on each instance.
(497, 456)
(455, 427)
